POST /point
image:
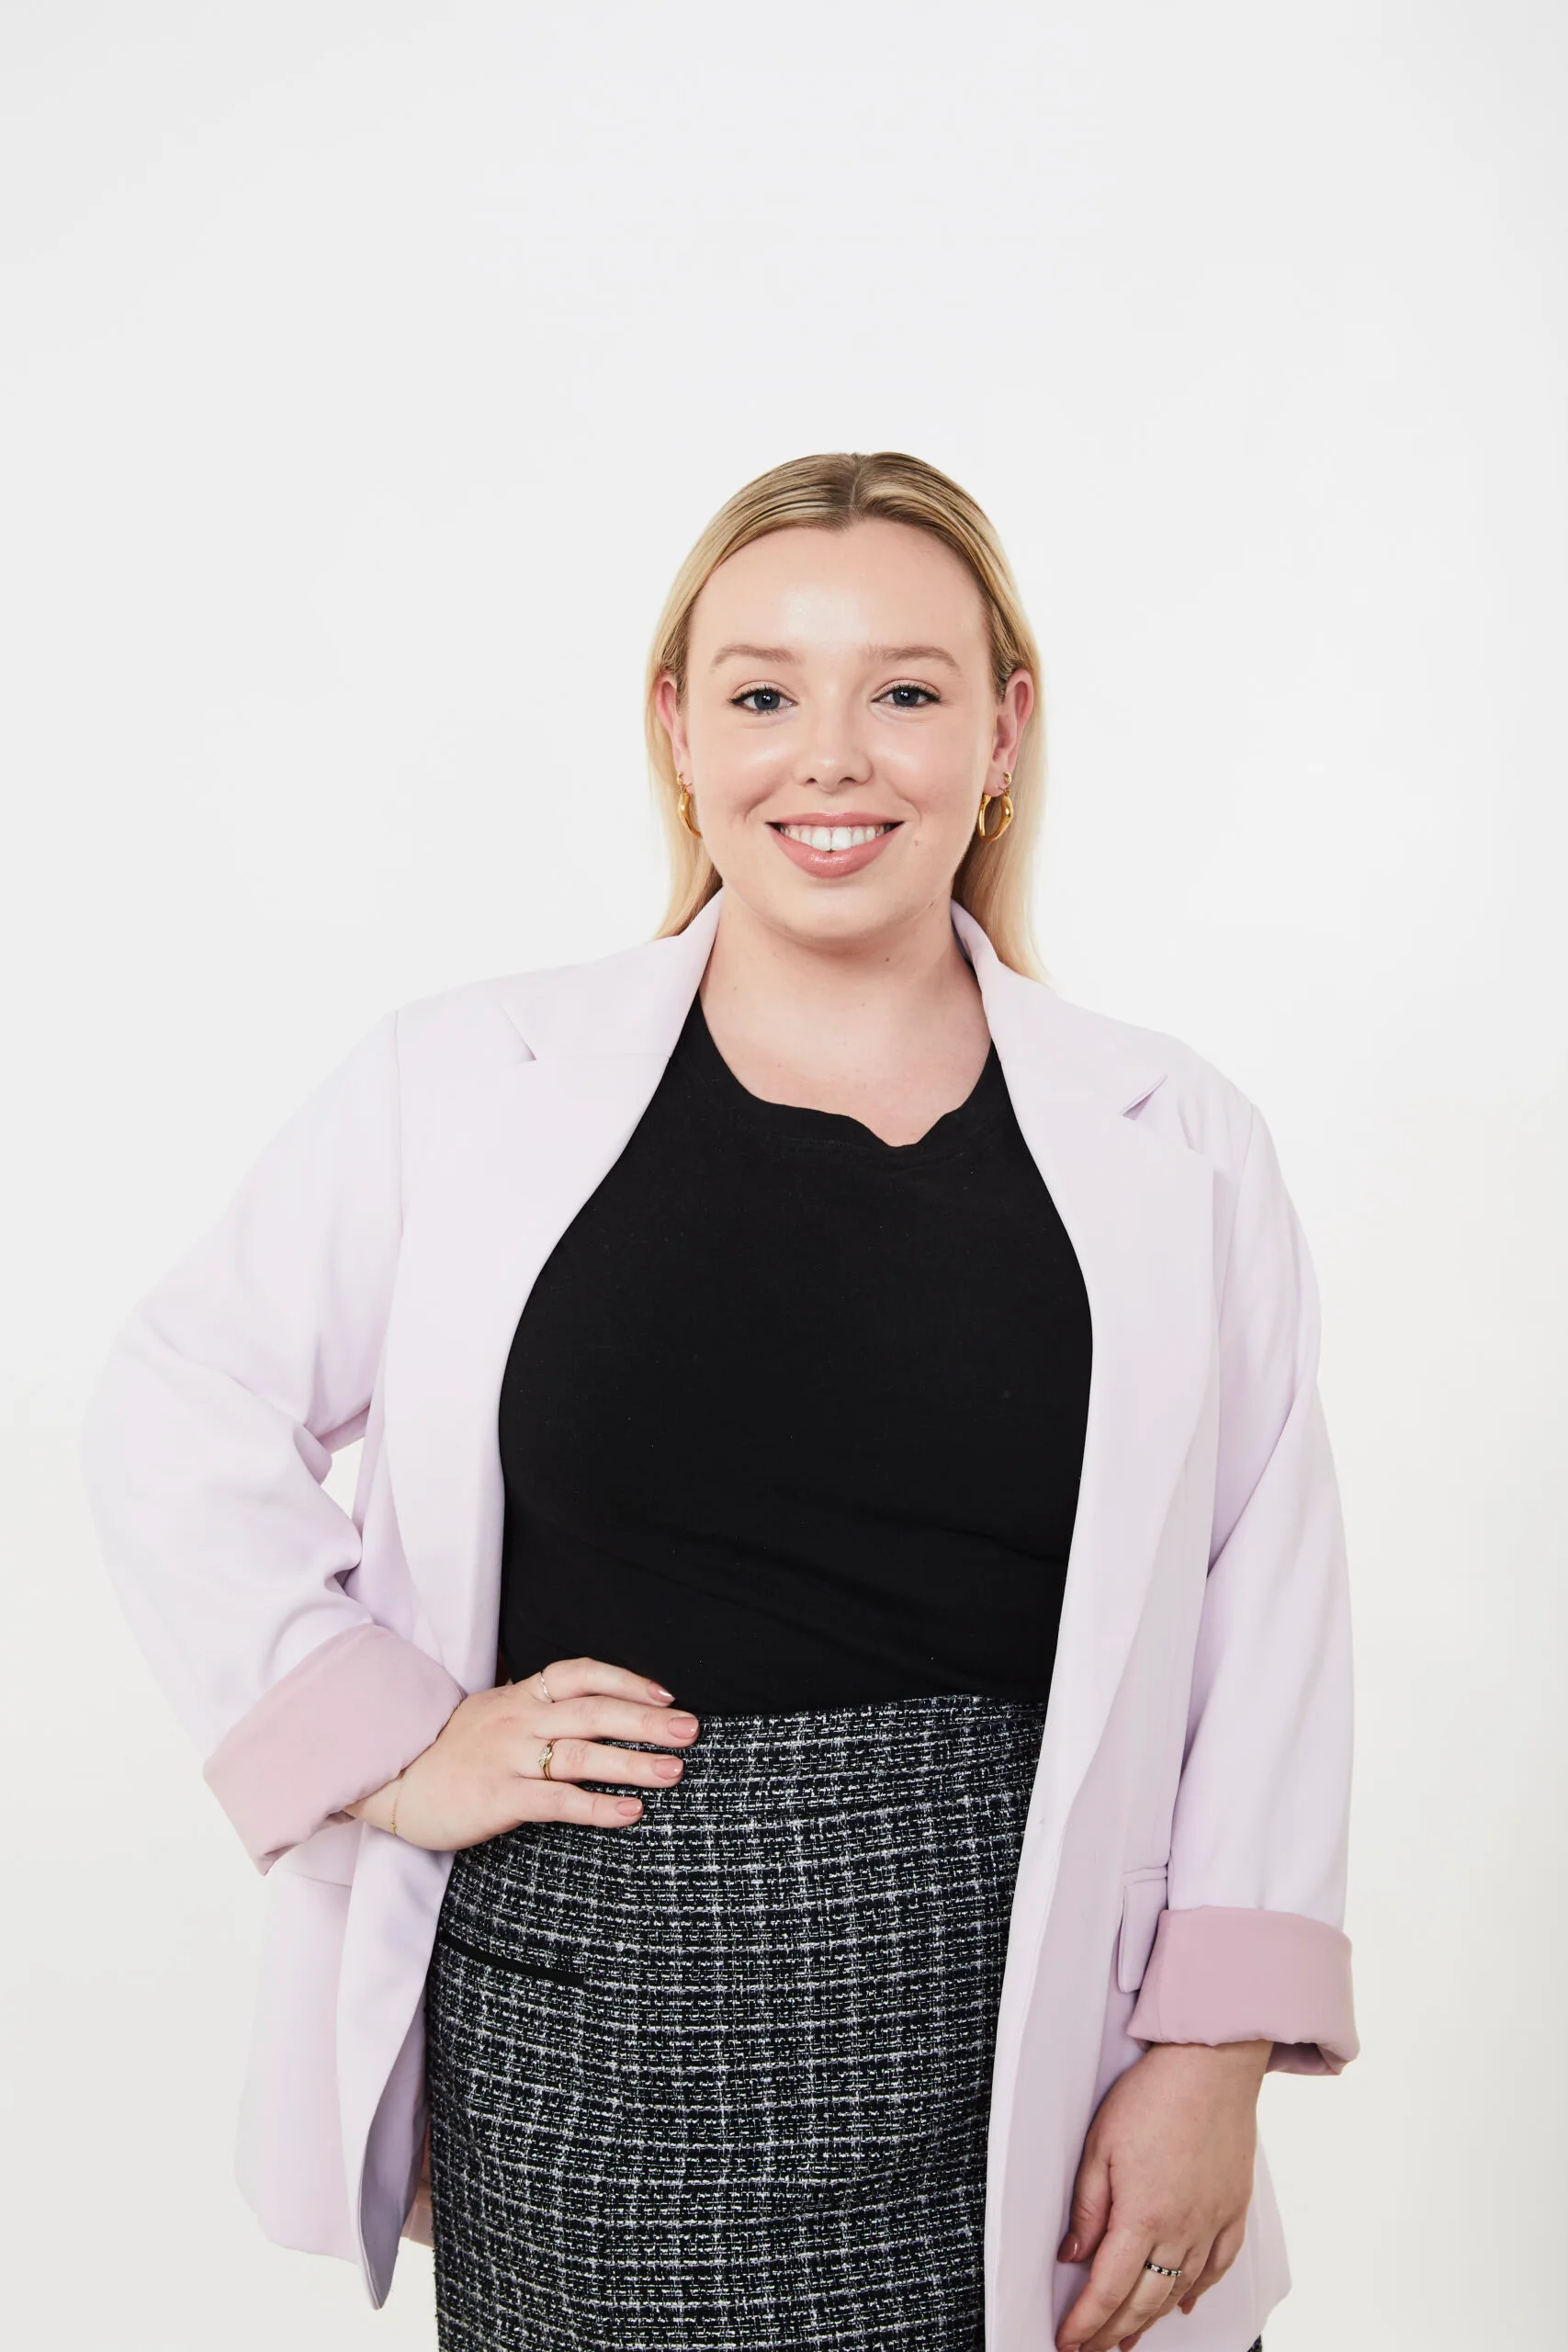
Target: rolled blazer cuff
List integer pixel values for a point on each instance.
(341, 1723)
(1218, 1974)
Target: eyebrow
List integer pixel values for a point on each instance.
(783, 653)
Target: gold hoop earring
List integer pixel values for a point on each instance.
(683, 804)
(986, 800)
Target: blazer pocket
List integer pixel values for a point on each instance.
(1143, 1900)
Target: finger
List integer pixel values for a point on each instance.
(569, 1677)
(1222, 2254)
(1178, 2289)
(564, 1801)
(1137, 2315)
(1139, 2332)
(586, 1759)
(1107, 2294)
(1149, 2302)
(1091, 2209)
(1215, 2263)
(594, 1715)
(1122, 2296)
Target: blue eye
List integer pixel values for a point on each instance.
(747, 701)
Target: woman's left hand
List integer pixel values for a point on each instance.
(1165, 2176)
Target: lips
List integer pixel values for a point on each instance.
(840, 846)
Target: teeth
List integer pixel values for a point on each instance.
(833, 836)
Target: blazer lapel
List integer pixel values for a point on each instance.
(1138, 1208)
(493, 1197)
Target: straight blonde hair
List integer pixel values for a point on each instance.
(831, 492)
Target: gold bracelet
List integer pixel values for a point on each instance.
(397, 1792)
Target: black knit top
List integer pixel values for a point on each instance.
(793, 1416)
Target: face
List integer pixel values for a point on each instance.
(841, 679)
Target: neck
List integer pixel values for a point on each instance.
(849, 997)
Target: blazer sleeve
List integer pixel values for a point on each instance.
(203, 1448)
(1251, 1946)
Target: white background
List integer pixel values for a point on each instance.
(372, 366)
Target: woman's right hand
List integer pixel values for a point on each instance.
(481, 1774)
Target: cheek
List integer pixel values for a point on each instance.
(737, 766)
(944, 801)
(936, 768)
(734, 797)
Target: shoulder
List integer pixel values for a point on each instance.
(620, 1001)
(1166, 1085)
(1191, 1105)
(449, 1045)
(467, 1022)
(457, 1038)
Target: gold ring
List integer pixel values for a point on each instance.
(544, 1759)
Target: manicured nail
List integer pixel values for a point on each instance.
(681, 1726)
(659, 1691)
(1069, 2252)
(630, 1807)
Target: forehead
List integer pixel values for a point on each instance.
(809, 589)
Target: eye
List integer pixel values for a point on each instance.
(909, 689)
(744, 702)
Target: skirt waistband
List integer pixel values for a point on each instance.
(835, 1755)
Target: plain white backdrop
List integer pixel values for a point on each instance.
(369, 369)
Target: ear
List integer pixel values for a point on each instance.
(668, 705)
(1012, 713)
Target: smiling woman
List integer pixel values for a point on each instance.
(806, 1313)
(871, 585)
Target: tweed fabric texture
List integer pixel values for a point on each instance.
(721, 2079)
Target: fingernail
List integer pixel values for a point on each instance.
(630, 1807)
(669, 1767)
(659, 1690)
(1069, 2249)
(683, 1724)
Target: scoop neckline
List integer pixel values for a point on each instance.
(802, 1123)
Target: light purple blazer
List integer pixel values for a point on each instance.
(1182, 1872)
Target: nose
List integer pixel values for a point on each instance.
(837, 757)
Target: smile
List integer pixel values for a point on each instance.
(832, 837)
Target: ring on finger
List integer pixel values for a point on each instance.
(1164, 2270)
(539, 1679)
(544, 1759)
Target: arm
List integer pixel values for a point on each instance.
(1250, 1968)
(1252, 1944)
(203, 1449)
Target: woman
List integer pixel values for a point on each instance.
(788, 1353)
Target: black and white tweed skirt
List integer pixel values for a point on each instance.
(721, 2079)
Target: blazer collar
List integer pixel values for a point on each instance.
(635, 1002)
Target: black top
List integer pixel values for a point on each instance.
(794, 1416)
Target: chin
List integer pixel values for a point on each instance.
(839, 911)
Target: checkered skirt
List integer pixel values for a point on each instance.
(721, 2079)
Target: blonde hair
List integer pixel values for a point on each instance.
(832, 491)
